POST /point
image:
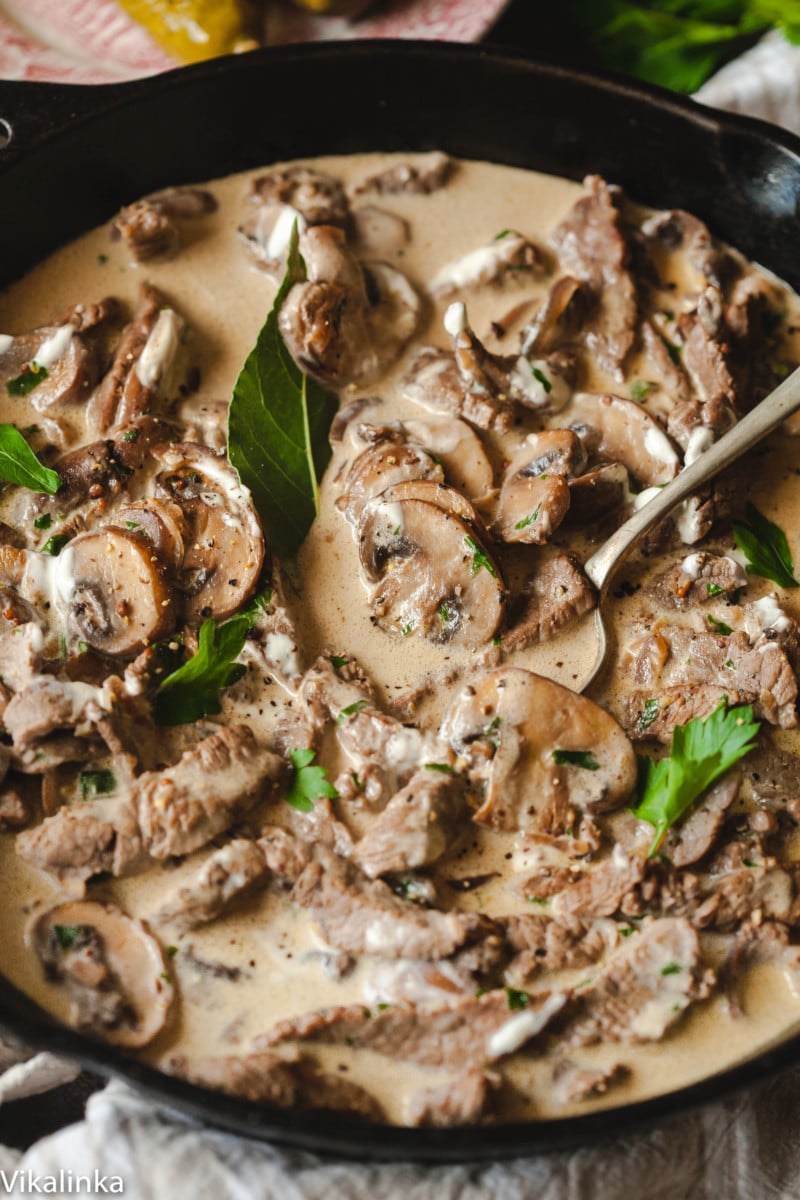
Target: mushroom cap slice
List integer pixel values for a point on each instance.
(381, 466)
(116, 591)
(538, 750)
(433, 492)
(597, 493)
(625, 433)
(460, 451)
(114, 970)
(163, 524)
(433, 575)
(224, 542)
(531, 508)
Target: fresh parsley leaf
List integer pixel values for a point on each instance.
(67, 935)
(576, 758)
(55, 544)
(30, 377)
(502, 234)
(765, 547)
(700, 752)
(43, 522)
(337, 661)
(717, 625)
(479, 558)
(132, 435)
(516, 999)
(356, 707)
(192, 691)
(650, 710)
(445, 768)
(671, 969)
(523, 524)
(714, 589)
(278, 425)
(18, 464)
(408, 629)
(96, 783)
(309, 783)
(641, 388)
(542, 379)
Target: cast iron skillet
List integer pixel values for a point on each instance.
(74, 155)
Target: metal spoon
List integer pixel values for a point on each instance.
(603, 564)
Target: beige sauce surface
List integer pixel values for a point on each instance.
(264, 961)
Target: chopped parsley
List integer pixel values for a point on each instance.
(498, 237)
(718, 626)
(338, 662)
(29, 378)
(671, 969)
(714, 589)
(516, 999)
(55, 544)
(310, 783)
(132, 435)
(445, 768)
(542, 379)
(67, 935)
(641, 388)
(534, 516)
(479, 558)
(576, 758)
(43, 522)
(408, 629)
(356, 707)
(649, 712)
(96, 783)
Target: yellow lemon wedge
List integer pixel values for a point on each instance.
(191, 30)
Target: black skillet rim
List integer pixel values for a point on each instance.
(27, 109)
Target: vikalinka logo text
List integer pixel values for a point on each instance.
(28, 1183)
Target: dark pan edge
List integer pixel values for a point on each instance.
(28, 107)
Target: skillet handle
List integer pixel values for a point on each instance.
(30, 112)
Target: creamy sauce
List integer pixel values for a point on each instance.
(265, 961)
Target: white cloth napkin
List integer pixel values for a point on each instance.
(747, 1148)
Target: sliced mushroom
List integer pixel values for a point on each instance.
(597, 493)
(347, 321)
(379, 467)
(426, 174)
(433, 575)
(318, 197)
(116, 592)
(538, 751)
(460, 451)
(50, 365)
(378, 233)
(142, 366)
(224, 542)
(621, 431)
(441, 494)
(113, 969)
(677, 229)
(559, 317)
(535, 496)
(509, 251)
(163, 524)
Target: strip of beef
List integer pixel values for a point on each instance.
(600, 892)
(463, 1100)
(774, 777)
(541, 943)
(417, 825)
(433, 380)
(591, 247)
(284, 854)
(183, 807)
(677, 660)
(705, 348)
(272, 641)
(690, 841)
(752, 317)
(643, 989)
(165, 813)
(221, 879)
(141, 366)
(289, 1081)
(558, 319)
(677, 229)
(20, 656)
(15, 809)
(557, 593)
(362, 916)
(652, 717)
(493, 264)
(468, 1033)
(765, 942)
(698, 579)
(414, 981)
(148, 227)
(427, 174)
(45, 706)
(318, 198)
(573, 1082)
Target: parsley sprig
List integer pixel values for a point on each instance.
(765, 546)
(309, 783)
(700, 752)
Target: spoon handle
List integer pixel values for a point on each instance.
(760, 421)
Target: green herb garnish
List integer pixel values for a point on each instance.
(43, 522)
(356, 707)
(192, 691)
(714, 589)
(55, 544)
(700, 752)
(18, 464)
(67, 935)
(445, 768)
(534, 516)
(641, 388)
(576, 758)
(278, 425)
(96, 783)
(29, 378)
(479, 558)
(671, 969)
(338, 662)
(542, 379)
(649, 712)
(764, 545)
(718, 626)
(516, 999)
(309, 783)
